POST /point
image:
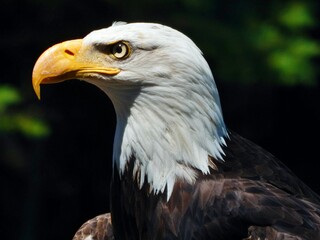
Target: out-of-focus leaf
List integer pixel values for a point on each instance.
(8, 95)
(25, 124)
(297, 15)
(293, 62)
(18, 120)
(291, 69)
(267, 36)
(304, 47)
(31, 126)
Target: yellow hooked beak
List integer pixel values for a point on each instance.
(66, 60)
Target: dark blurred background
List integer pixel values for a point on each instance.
(55, 154)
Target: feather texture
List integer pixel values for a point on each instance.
(178, 173)
(252, 196)
(168, 108)
(97, 228)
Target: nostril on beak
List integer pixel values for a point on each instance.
(69, 52)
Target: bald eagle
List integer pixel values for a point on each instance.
(178, 173)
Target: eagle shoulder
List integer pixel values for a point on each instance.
(97, 228)
(251, 195)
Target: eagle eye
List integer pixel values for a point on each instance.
(120, 50)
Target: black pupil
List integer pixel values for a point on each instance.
(118, 48)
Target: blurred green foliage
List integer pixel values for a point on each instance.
(273, 43)
(297, 15)
(290, 51)
(17, 120)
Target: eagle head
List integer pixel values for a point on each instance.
(169, 119)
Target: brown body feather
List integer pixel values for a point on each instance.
(98, 228)
(251, 195)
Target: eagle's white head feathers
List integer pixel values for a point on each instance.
(168, 110)
(169, 119)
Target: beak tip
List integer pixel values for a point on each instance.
(52, 64)
(36, 89)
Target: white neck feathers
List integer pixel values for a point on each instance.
(169, 131)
